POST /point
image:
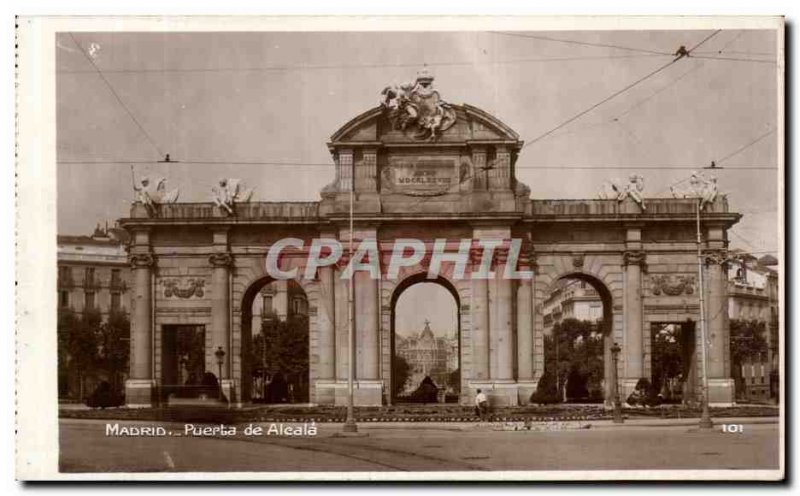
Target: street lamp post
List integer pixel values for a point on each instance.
(615, 349)
(705, 417)
(220, 354)
(350, 421)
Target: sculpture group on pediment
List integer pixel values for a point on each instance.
(228, 192)
(417, 105)
(702, 187)
(614, 190)
(153, 194)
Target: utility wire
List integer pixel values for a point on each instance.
(618, 92)
(656, 93)
(738, 59)
(585, 127)
(726, 157)
(352, 66)
(116, 95)
(324, 164)
(745, 147)
(582, 43)
(734, 52)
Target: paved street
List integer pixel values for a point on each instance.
(421, 447)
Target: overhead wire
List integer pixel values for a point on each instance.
(116, 96)
(618, 92)
(288, 68)
(582, 43)
(331, 164)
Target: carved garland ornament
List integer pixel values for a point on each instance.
(194, 287)
(633, 257)
(672, 285)
(220, 259)
(140, 260)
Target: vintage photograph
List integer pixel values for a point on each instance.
(497, 252)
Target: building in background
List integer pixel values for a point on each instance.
(279, 299)
(428, 355)
(753, 296)
(571, 299)
(93, 272)
(93, 275)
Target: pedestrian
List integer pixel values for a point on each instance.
(481, 405)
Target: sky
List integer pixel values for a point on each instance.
(426, 301)
(229, 98)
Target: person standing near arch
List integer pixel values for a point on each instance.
(481, 405)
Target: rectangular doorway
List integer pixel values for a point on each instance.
(674, 361)
(183, 355)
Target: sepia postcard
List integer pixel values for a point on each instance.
(434, 248)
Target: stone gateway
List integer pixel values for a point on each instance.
(425, 169)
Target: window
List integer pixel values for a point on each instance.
(267, 308)
(88, 276)
(63, 299)
(65, 275)
(88, 300)
(115, 301)
(115, 278)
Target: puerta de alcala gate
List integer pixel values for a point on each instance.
(419, 168)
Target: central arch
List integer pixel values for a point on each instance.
(450, 387)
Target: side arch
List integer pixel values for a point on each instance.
(607, 281)
(248, 279)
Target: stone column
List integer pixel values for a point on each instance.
(721, 387)
(326, 337)
(500, 174)
(220, 314)
(345, 170)
(341, 295)
(479, 308)
(633, 340)
(501, 334)
(479, 172)
(366, 171)
(525, 340)
(366, 304)
(501, 337)
(326, 319)
(139, 387)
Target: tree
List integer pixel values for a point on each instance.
(285, 349)
(667, 354)
(401, 372)
(67, 325)
(114, 346)
(748, 344)
(80, 344)
(573, 362)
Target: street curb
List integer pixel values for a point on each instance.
(689, 423)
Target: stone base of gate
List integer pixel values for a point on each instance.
(139, 393)
(365, 392)
(324, 392)
(524, 391)
(500, 393)
(721, 392)
(626, 387)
